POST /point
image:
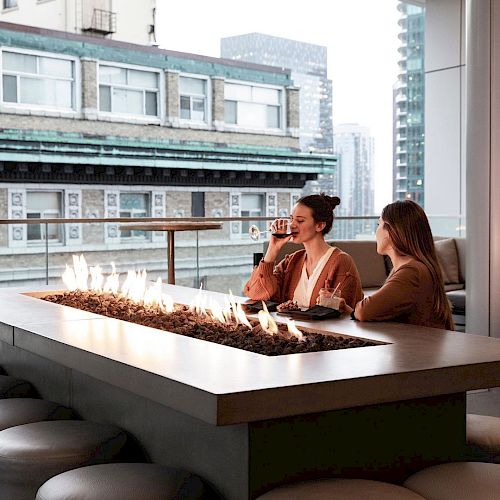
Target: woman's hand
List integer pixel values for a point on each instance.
(281, 226)
(326, 299)
(344, 307)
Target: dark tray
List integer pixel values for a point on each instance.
(253, 306)
(315, 312)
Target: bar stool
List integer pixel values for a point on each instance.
(125, 481)
(457, 481)
(32, 453)
(483, 437)
(19, 411)
(342, 489)
(13, 387)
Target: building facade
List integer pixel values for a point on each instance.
(94, 128)
(308, 65)
(123, 20)
(355, 149)
(409, 103)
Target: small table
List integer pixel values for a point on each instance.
(171, 228)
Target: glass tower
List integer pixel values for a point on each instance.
(409, 107)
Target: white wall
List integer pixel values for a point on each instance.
(444, 107)
(132, 21)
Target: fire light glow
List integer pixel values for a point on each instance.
(135, 287)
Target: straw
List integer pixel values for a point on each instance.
(333, 293)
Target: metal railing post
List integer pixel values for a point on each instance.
(46, 253)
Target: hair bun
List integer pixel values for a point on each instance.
(332, 201)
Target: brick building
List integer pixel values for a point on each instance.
(91, 127)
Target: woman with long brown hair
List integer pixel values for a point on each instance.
(414, 291)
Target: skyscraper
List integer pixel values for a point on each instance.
(308, 65)
(409, 105)
(355, 148)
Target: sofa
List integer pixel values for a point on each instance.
(374, 268)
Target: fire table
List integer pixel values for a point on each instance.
(248, 422)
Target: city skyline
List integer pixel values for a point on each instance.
(361, 38)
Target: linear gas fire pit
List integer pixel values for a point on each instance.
(247, 334)
(245, 421)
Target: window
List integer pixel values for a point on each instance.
(38, 80)
(252, 205)
(252, 106)
(193, 98)
(9, 4)
(128, 91)
(44, 205)
(197, 204)
(135, 205)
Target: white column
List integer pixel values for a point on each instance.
(444, 177)
(480, 81)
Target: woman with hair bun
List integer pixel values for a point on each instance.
(414, 291)
(300, 276)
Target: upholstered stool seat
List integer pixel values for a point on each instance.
(126, 481)
(344, 489)
(457, 481)
(19, 411)
(483, 437)
(13, 387)
(32, 453)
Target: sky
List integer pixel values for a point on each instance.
(362, 42)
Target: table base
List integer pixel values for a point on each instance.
(386, 442)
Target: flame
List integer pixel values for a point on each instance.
(135, 288)
(266, 321)
(81, 272)
(112, 283)
(96, 278)
(69, 279)
(294, 330)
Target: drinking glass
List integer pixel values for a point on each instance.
(280, 228)
(329, 297)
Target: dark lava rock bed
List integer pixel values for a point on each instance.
(185, 322)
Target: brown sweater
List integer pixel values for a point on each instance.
(406, 297)
(279, 283)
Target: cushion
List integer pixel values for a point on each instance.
(457, 481)
(343, 489)
(128, 481)
(30, 454)
(13, 387)
(457, 299)
(483, 436)
(446, 251)
(371, 266)
(19, 411)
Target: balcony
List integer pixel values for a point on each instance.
(103, 23)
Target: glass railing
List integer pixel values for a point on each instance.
(35, 252)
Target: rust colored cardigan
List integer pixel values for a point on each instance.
(405, 297)
(278, 283)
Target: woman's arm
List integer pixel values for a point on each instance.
(266, 281)
(396, 297)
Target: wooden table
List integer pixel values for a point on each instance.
(171, 228)
(248, 422)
